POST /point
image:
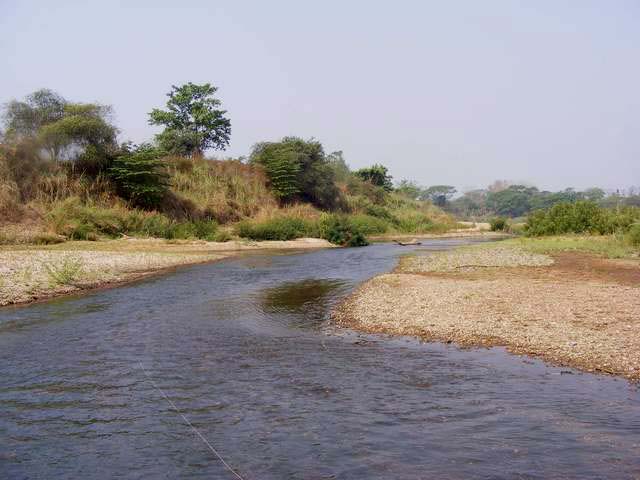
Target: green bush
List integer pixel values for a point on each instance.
(370, 225)
(78, 221)
(341, 230)
(633, 235)
(279, 228)
(299, 168)
(580, 217)
(498, 224)
(139, 177)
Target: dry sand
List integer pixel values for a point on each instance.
(571, 309)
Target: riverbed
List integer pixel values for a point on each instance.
(244, 349)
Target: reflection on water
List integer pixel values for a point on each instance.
(238, 347)
(308, 299)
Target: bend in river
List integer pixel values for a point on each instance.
(242, 347)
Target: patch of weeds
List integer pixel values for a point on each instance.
(65, 272)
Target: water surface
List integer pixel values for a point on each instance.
(244, 350)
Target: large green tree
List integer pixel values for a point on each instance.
(193, 121)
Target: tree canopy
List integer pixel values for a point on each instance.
(63, 129)
(439, 194)
(298, 168)
(377, 175)
(193, 121)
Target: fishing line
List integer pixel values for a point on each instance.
(173, 405)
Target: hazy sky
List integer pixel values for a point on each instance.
(455, 92)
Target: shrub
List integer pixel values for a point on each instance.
(340, 230)
(138, 176)
(195, 229)
(633, 235)
(498, 224)
(299, 169)
(580, 217)
(66, 272)
(370, 225)
(279, 228)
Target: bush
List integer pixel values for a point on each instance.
(78, 221)
(633, 235)
(279, 228)
(370, 225)
(580, 217)
(299, 169)
(138, 176)
(340, 230)
(498, 224)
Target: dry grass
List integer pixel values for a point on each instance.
(225, 190)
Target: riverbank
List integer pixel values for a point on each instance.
(30, 273)
(568, 307)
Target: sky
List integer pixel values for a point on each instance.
(455, 92)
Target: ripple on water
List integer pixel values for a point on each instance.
(240, 347)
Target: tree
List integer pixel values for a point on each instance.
(193, 121)
(513, 201)
(25, 119)
(439, 194)
(409, 189)
(138, 175)
(339, 166)
(299, 169)
(377, 175)
(594, 194)
(64, 130)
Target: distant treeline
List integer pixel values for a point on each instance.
(503, 199)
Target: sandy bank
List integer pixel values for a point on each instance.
(30, 273)
(571, 309)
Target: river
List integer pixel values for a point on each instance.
(244, 350)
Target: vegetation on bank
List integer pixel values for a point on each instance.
(63, 175)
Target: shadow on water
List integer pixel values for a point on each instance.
(308, 301)
(239, 346)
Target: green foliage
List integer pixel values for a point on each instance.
(633, 235)
(370, 225)
(64, 130)
(279, 228)
(513, 201)
(282, 166)
(377, 175)
(439, 194)
(499, 224)
(78, 221)
(341, 230)
(339, 166)
(138, 176)
(25, 119)
(409, 189)
(298, 169)
(193, 121)
(580, 217)
(66, 272)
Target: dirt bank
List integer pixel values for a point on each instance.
(30, 273)
(569, 308)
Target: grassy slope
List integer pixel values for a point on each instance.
(64, 206)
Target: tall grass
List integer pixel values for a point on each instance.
(226, 190)
(80, 221)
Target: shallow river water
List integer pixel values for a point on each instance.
(243, 349)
